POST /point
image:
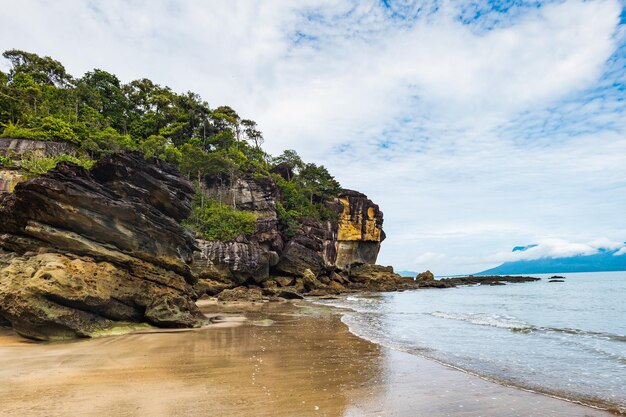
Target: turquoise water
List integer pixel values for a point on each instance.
(566, 339)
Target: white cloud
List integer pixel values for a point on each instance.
(428, 257)
(558, 248)
(473, 138)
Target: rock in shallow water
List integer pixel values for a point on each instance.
(92, 248)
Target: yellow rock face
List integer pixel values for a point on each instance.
(9, 179)
(357, 227)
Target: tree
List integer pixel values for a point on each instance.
(253, 134)
(224, 117)
(43, 70)
(318, 183)
(194, 160)
(103, 92)
(39, 100)
(291, 160)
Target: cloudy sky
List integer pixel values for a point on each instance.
(476, 126)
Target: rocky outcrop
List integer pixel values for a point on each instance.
(354, 239)
(359, 231)
(15, 147)
(425, 276)
(94, 248)
(378, 278)
(320, 246)
(18, 148)
(233, 262)
(301, 253)
(246, 260)
(9, 178)
(426, 282)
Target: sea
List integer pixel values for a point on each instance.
(566, 339)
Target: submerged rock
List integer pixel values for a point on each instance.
(92, 248)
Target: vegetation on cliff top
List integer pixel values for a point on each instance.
(99, 114)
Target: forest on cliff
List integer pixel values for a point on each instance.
(99, 115)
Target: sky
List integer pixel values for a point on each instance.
(476, 126)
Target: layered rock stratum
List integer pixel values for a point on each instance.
(86, 251)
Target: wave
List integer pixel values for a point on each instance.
(492, 320)
(364, 331)
(511, 323)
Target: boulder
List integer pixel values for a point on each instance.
(289, 295)
(241, 294)
(283, 281)
(310, 281)
(301, 253)
(376, 278)
(425, 276)
(210, 287)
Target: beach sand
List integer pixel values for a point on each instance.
(283, 360)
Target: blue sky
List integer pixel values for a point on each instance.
(476, 126)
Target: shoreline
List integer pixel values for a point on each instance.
(595, 404)
(283, 359)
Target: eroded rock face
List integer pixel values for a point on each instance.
(92, 248)
(9, 178)
(321, 246)
(359, 232)
(324, 246)
(11, 146)
(235, 262)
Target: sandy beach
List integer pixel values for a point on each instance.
(274, 359)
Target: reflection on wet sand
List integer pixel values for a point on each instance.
(302, 362)
(300, 365)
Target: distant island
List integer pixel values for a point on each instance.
(604, 260)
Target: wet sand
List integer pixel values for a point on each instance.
(281, 361)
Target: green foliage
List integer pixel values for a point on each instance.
(305, 189)
(5, 161)
(106, 141)
(316, 181)
(216, 221)
(289, 219)
(39, 166)
(56, 129)
(157, 146)
(49, 128)
(43, 70)
(100, 115)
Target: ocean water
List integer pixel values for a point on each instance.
(566, 339)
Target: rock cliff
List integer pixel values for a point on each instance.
(321, 247)
(85, 250)
(10, 146)
(17, 148)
